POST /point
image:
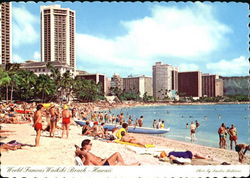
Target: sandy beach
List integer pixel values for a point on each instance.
(57, 151)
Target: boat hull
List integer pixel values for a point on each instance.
(131, 129)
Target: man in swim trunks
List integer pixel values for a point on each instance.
(192, 131)
(91, 159)
(233, 136)
(222, 136)
(66, 115)
(37, 119)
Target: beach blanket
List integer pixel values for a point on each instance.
(133, 144)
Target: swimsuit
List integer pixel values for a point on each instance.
(186, 154)
(38, 126)
(192, 130)
(66, 120)
(233, 138)
(53, 118)
(106, 163)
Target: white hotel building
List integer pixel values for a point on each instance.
(58, 35)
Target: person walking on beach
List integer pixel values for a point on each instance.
(222, 136)
(66, 115)
(192, 131)
(233, 136)
(38, 123)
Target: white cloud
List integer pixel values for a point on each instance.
(188, 67)
(186, 33)
(237, 66)
(37, 56)
(23, 27)
(16, 59)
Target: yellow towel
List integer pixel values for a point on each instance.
(133, 144)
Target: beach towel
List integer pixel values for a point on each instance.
(133, 144)
(78, 161)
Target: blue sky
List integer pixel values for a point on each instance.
(128, 38)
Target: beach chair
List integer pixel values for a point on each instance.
(78, 161)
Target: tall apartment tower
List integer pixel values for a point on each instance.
(165, 78)
(58, 35)
(190, 83)
(211, 85)
(5, 32)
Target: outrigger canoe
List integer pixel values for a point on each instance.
(131, 129)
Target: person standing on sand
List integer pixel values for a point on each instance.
(192, 131)
(53, 118)
(233, 136)
(38, 123)
(222, 136)
(66, 115)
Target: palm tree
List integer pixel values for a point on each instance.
(44, 86)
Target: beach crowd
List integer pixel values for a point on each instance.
(95, 116)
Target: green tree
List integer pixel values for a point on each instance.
(45, 87)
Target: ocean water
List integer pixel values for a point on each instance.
(210, 118)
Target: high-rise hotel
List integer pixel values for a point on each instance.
(58, 35)
(5, 33)
(165, 78)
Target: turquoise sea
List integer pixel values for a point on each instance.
(210, 118)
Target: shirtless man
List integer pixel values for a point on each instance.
(222, 135)
(53, 118)
(233, 136)
(66, 115)
(91, 159)
(37, 119)
(192, 131)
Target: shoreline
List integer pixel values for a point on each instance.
(57, 151)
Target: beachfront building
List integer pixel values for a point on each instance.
(212, 86)
(190, 84)
(116, 81)
(58, 35)
(5, 32)
(41, 67)
(97, 78)
(140, 84)
(165, 79)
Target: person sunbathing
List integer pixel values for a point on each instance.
(89, 158)
(6, 147)
(130, 139)
(174, 155)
